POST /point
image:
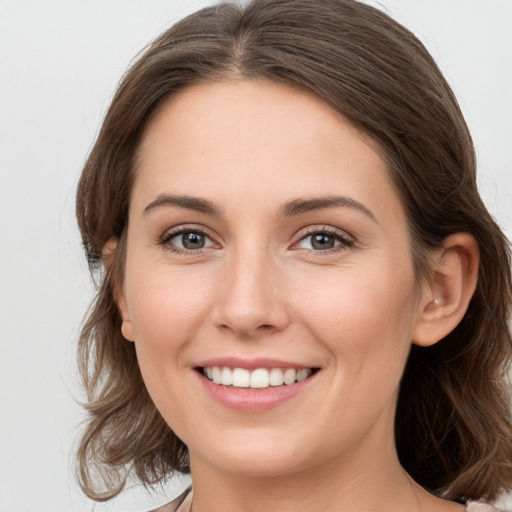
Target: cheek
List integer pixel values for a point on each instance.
(364, 314)
(366, 325)
(165, 307)
(166, 310)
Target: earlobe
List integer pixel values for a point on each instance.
(108, 254)
(126, 330)
(122, 306)
(446, 297)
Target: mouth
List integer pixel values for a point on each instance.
(259, 378)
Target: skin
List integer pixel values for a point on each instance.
(258, 288)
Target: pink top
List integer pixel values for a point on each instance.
(183, 503)
(478, 506)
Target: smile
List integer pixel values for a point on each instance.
(259, 378)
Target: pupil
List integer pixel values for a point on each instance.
(193, 240)
(322, 242)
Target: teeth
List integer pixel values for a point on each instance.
(289, 376)
(216, 374)
(303, 374)
(226, 377)
(256, 379)
(260, 378)
(276, 377)
(241, 378)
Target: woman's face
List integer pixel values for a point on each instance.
(266, 242)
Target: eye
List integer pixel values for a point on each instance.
(187, 240)
(324, 240)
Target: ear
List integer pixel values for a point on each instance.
(108, 254)
(446, 297)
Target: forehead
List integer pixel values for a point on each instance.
(261, 139)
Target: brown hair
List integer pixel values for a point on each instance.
(453, 423)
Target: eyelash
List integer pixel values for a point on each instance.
(344, 241)
(181, 230)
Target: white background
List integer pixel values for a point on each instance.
(59, 64)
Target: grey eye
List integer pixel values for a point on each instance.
(193, 240)
(189, 240)
(321, 241)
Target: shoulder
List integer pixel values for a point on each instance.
(179, 504)
(480, 506)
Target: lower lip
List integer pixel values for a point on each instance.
(254, 400)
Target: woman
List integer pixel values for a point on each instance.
(305, 301)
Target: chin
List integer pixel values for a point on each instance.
(261, 459)
(260, 467)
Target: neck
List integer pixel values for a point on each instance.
(362, 483)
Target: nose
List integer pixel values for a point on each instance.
(251, 303)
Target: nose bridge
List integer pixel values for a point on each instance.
(251, 301)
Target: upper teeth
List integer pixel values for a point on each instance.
(259, 378)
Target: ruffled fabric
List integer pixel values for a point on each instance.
(182, 503)
(480, 506)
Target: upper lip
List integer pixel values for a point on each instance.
(252, 364)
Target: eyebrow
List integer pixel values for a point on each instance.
(189, 202)
(289, 209)
(299, 206)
